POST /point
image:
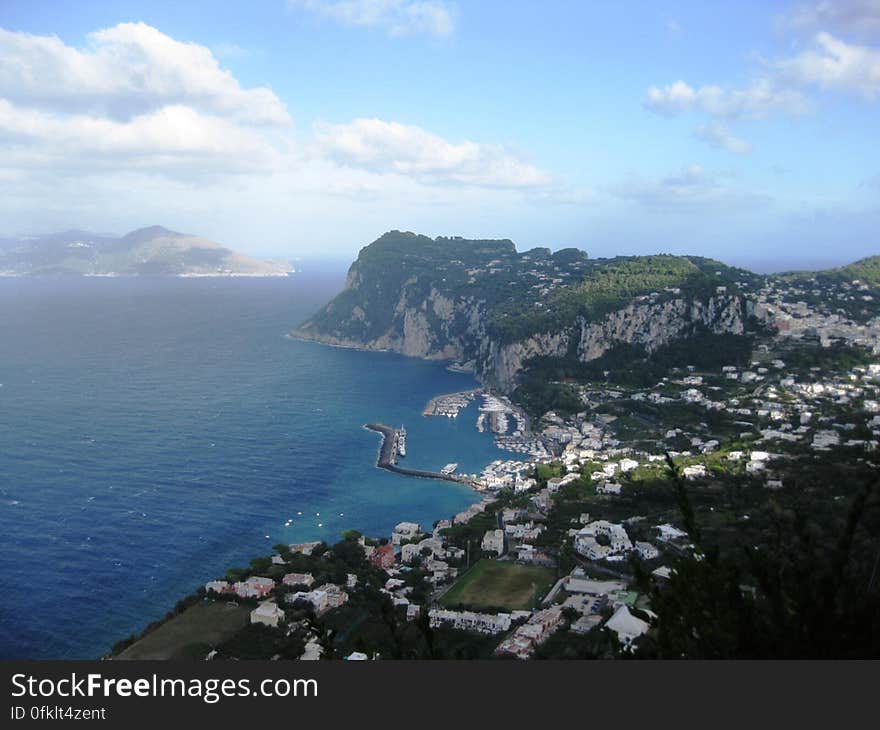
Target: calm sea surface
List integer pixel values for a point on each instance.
(155, 432)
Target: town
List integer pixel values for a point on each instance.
(570, 539)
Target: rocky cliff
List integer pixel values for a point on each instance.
(482, 304)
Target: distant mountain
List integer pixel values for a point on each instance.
(148, 251)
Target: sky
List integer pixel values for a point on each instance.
(744, 131)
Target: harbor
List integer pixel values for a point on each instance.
(389, 452)
(497, 415)
(450, 404)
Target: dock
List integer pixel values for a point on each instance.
(388, 457)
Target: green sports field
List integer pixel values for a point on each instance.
(499, 584)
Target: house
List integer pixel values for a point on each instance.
(405, 531)
(695, 471)
(646, 551)
(627, 627)
(608, 488)
(523, 485)
(627, 465)
(298, 579)
(493, 541)
(383, 556)
(306, 548)
(668, 533)
(254, 587)
(267, 613)
(754, 467)
(218, 586)
(455, 553)
(323, 598)
(431, 545)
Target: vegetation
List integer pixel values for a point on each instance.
(609, 285)
(192, 633)
(803, 583)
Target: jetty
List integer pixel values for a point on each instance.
(388, 457)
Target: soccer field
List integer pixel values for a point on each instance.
(499, 584)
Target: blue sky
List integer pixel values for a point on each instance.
(743, 131)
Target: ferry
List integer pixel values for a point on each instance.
(448, 469)
(401, 442)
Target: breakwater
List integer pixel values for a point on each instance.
(388, 457)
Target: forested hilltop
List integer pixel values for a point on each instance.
(497, 311)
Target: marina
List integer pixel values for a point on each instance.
(451, 404)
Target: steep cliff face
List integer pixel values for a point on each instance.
(649, 326)
(482, 303)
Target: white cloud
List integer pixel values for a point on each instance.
(836, 65)
(756, 101)
(404, 149)
(396, 17)
(859, 18)
(691, 188)
(126, 71)
(168, 140)
(718, 135)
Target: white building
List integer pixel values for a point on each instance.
(493, 541)
(482, 623)
(323, 598)
(669, 533)
(646, 551)
(267, 613)
(695, 471)
(254, 587)
(627, 627)
(587, 544)
(405, 531)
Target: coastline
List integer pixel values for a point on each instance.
(383, 461)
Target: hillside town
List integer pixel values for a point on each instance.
(551, 552)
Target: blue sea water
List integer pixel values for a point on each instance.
(154, 432)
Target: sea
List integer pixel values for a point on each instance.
(156, 431)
